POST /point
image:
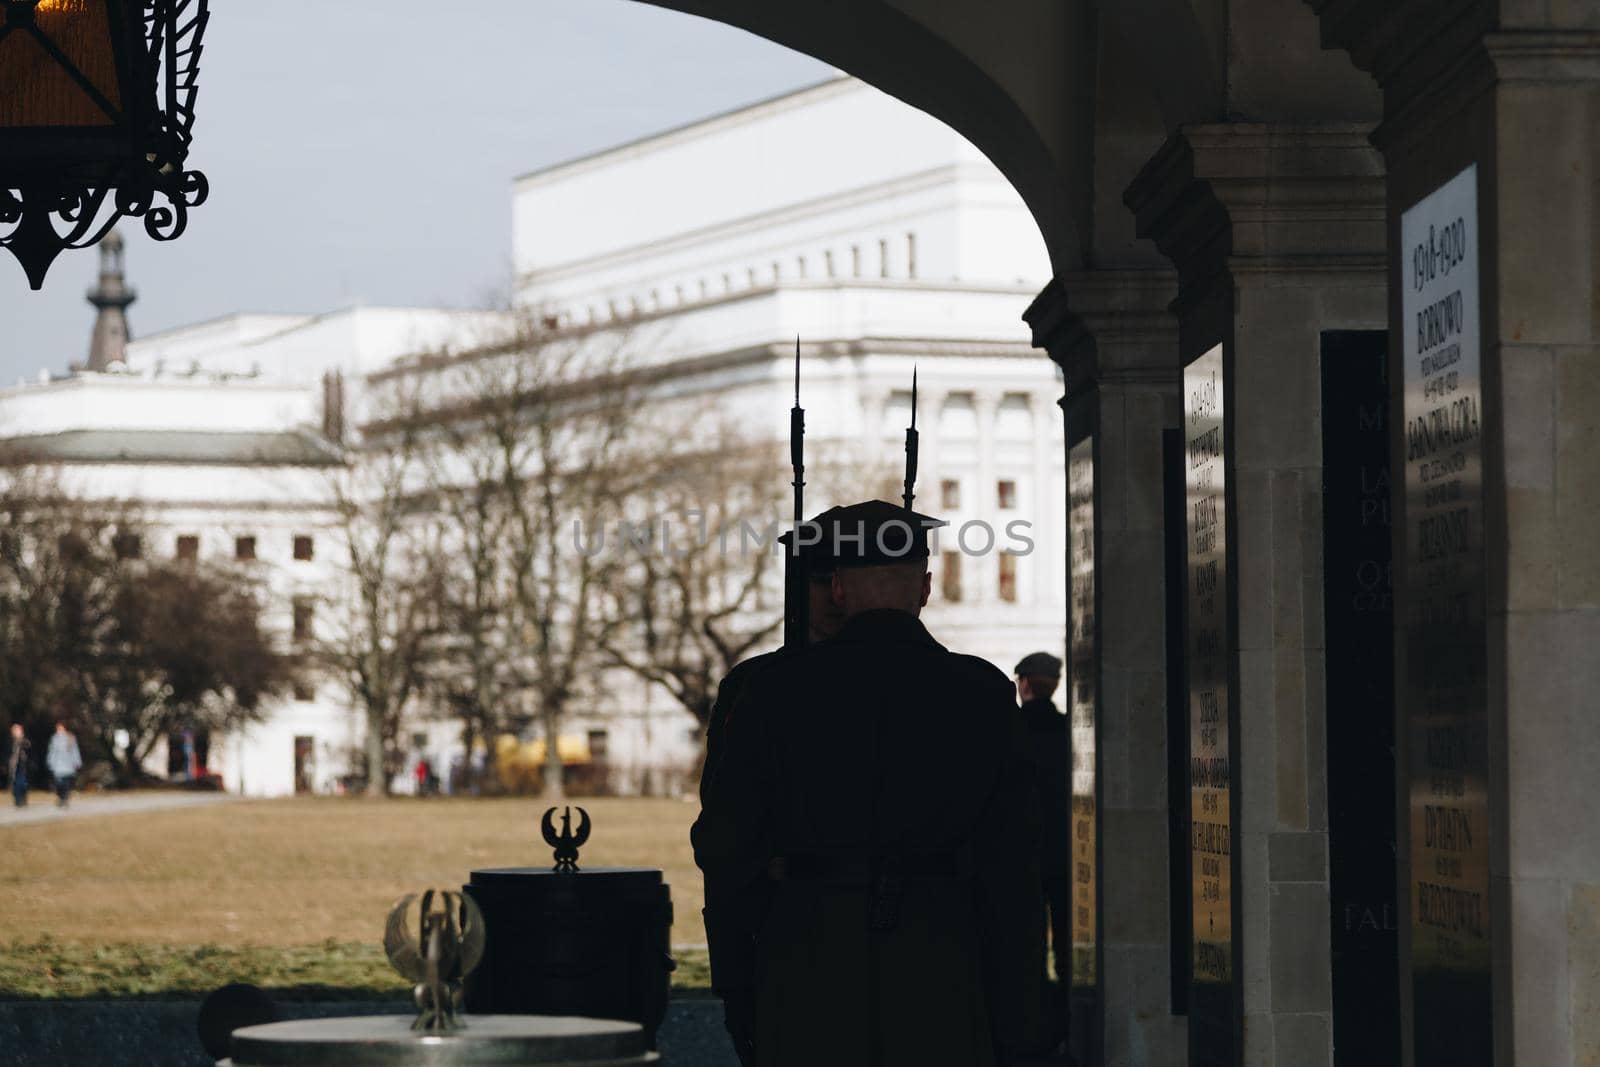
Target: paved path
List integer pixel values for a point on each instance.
(42, 805)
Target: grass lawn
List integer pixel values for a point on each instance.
(289, 894)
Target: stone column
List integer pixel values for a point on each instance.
(930, 414)
(874, 408)
(1277, 234)
(1512, 91)
(983, 568)
(1116, 342)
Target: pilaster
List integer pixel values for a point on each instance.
(1277, 234)
(1115, 339)
(1512, 87)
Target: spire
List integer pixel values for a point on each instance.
(111, 296)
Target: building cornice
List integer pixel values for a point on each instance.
(576, 331)
(817, 207)
(745, 115)
(775, 352)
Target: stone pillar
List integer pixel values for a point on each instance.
(1116, 342)
(930, 413)
(1276, 231)
(984, 568)
(874, 409)
(1509, 91)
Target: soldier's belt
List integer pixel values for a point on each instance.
(861, 871)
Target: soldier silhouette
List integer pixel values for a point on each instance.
(1038, 674)
(869, 835)
(823, 619)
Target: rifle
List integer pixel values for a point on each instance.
(912, 445)
(796, 595)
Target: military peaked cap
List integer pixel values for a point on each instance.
(1038, 663)
(815, 552)
(872, 533)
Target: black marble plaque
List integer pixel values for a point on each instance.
(1358, 615)
(1443, 641)
(1213, 1000)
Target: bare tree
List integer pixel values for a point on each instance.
(183, 648)
(530, 455)
(126, 650)
(699, 589)
(382, 615)
(707, 592)
(54, 596)
(474, 669)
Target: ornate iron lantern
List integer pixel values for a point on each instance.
(96, 104)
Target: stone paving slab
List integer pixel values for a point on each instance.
(42, 805)
(163, 1033)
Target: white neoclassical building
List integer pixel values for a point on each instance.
(835, 214)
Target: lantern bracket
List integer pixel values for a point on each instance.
(54, 191)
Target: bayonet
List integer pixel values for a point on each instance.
(912, 445)
(796, 597)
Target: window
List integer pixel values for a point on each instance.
(127, 546)
(1008, 577)
(303, 547)
(911, 255)
(599, 744)
(303, 612)
(304, 691)
(244, 548)
(188, 546)
(883, 258)
(950, 578)
(827, 262)
(950, 493)
(1006, 494)
(855, 261)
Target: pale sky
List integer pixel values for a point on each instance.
(365, 154)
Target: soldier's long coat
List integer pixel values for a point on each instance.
(880, 740)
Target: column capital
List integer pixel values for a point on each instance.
(1108, 326)
(1301, 201)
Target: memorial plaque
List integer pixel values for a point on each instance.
(1083, 709)
(1213, 1004)
(1442, 644)
(1358, 617)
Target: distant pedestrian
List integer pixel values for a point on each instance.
(17, 765)
(64, 761)
(423, 773)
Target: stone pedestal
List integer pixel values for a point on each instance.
(1115, 339)
(591, 942)
(1277, 234)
